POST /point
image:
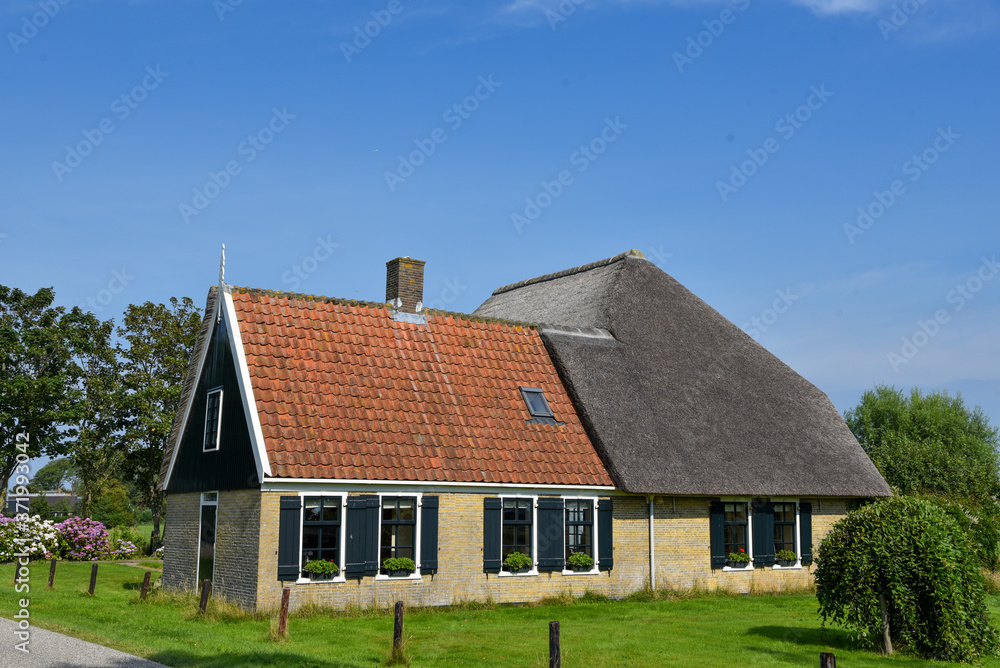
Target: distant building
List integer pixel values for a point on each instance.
(53, 496)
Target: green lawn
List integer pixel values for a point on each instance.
(706, 631)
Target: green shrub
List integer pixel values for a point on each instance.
(398, 564)
(580, 560)
(921, 560)
(320, 567)
(786, 555)
(740, 557)
(146, 516)
(517, 560)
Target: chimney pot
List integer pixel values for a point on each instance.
(404, 284)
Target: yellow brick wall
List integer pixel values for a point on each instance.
(682, 559)
(180, 541)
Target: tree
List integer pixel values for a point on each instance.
(56, 474)
(36, 390)
(900, 571)
(928, 443)
(158, 343)
(39, 506)
(94, 439)
(111, 506)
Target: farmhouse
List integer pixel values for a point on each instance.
(602, 410)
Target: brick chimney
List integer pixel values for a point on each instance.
(404, 284)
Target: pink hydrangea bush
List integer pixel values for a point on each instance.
(82, 539)
(74, 539)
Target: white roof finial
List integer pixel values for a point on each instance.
(222, 267)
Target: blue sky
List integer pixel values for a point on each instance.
(821, 166)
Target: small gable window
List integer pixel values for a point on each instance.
(213, 420)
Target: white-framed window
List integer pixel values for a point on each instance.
(213, 420)
(322, 533)
(399, 533)
(783, 525)
(580, 532)
(518, 531)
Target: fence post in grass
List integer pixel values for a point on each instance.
(283, 618)
(145, 586)
(827, 660)
(93, 578)
(52, 573)
(397, 628)
(206, 589)
(555, 656)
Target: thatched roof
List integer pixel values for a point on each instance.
(677, 399)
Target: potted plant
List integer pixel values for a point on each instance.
(319, 569)
(399, 567)
(786, 558)
(738, 559)
(580, 562)
(517, 562)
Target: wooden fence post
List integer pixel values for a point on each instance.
(145, 586)
(206, 589)
(397, 628)
(283, 618)
(52, 573)
(827, 660)
(93, 578)
(555, 654)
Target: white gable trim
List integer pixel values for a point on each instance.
(246, 387)
(194, 389)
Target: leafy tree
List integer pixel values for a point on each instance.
(94, 439)
(112, 507)
(56, 474)
(157, 346)
(61, 510)
(39, 506)
(36, 388)
(928, 442)
(905, 562)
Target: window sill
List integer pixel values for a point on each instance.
(590, 572)
(339, 578)
(508, 574)
(796, 567)
(729, 569)
(391, 578)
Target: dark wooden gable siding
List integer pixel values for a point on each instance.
(232, 465)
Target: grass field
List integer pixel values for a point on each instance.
(709, 630)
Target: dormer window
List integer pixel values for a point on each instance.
(213, 420)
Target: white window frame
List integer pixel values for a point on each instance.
(218, 421)
(595, 569)
(206, 501)
(798, 535)
(340, 577)
(534, 536)
(749, 502)
(416, 574)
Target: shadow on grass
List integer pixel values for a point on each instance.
(252, 659)
(818, 638)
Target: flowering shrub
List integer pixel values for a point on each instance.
(740, 557)
(82, 539)
(34, 536)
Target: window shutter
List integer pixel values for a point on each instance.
(362, 537)
(551, 554)
(289, 526)
(717, 533)
(429, 534)
(806, 532)
(492, 528)
(763, 533)
(605, 536)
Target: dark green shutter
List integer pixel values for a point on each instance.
(492, 528)
(551, 553)
(605, 535)
(362, 536)
(806, 532)
(763, 533)
(717, 533)
(429, 534)
(289, 526)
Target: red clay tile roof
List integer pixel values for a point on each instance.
(345, 392)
